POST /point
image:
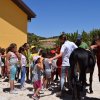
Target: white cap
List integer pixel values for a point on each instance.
(35, 58)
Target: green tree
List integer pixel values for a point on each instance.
(33, 40)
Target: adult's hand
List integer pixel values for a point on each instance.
(50, 60)
(93, 46)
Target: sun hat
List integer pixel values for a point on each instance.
(35, 58)
(32, 46)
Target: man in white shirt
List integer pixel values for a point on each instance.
(66, 50)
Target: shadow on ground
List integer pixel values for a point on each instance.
(30, 95)
(30, 88)
(6, 90)
(68, 95)
(6, 80)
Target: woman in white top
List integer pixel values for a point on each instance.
(11, 62)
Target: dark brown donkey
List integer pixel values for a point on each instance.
(81, 59)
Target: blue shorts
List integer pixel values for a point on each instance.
(12, 72)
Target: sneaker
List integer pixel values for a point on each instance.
(23, 88)
(13, 92)
(50, 88)
(15, 89)
(35, 98)
(44, 89)
(42, 92)
(56, 80)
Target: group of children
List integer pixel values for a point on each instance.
(35, 64)
(43, 72)
(26, 60)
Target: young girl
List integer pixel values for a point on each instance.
(11, 62)
(23, 64)
(47, 71)
(37, 77)
(27, 55)
(33, 54)
(54, 65)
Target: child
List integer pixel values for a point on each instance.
(37, 77)
(11, 62)
(54, 65)
(23, 64)
(3, 63)
(27, 54)
(33, 54)
(47, 71)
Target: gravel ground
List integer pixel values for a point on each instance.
(48, 95)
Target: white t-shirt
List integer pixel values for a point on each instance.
(47, 64)
(36, 73)
(13, 59)
(67, 49)
(23, 60)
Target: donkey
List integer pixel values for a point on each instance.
(82, 60)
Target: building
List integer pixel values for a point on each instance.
(14, 17)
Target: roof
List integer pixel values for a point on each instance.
(25, 8)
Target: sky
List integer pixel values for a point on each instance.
(56, 16)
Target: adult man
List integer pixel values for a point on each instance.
(66, 49)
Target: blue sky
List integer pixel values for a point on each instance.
(55, 16)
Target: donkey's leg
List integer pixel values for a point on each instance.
(78, 91)
(91, 79)
(74, 90)
(83, 78)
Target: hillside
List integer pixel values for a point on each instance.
(35, 36)
(39, 41)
